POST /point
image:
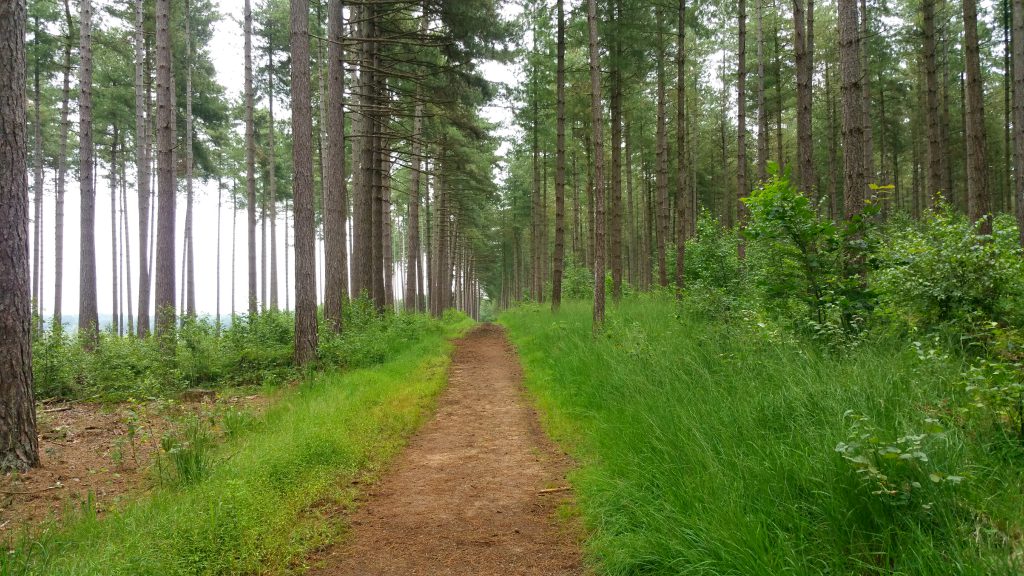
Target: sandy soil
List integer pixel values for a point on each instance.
(477, 490)
(99, 449)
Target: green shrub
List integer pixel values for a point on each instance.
(941, 273)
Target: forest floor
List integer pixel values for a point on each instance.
(479, 490)
(99, 452)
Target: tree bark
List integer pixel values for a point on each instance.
(250, 160)
(559, 256)
(272, 176)
(615, 219)
(142, 168)
(114, 260)
(596, 124)
(661, 137)
(190, 264)
(762, 112)
(302, 159)
(683, 204)
(62, 162)
(1018, 114)
(741, 129)
(19, 446)
(334, 172)
(979, 199)
(37, 178)
(165, 110)
(88, 316)
(854, 179)
(803, 23)
(869, 140)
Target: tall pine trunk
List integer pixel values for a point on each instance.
(19, 446)
(114, 260)
(1018, 113)
(88, 316)
(250, 161)
(854, 179)
(165, 127)
(142, 137)
(683, 203)
(741, 130)
(596, 125)
(979, 200)
(661, 137)
(302, 159)
(334, 172)
(62, 164)
(615, 219)
(559, 256)
(190, 264)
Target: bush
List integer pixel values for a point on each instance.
(941, 273)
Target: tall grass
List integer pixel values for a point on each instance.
(261, 501)
(709, 447)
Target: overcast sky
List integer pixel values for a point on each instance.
(227, 54)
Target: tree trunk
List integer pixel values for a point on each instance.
(272, 177)
(62, 162)
(683, 204)
(536, 210)
(762, 112)
(387, 246)
(869, 140)
(559, 256)
(854, 179)
(250, 160)
(190, 268)
(1018, 113)
(19, 446)
(334, 172)
(362, 224)
(88, 316)
(302, 159)
(37, 182)
(662, 158)
(597, 122)
(803, 22)
(165, 111)
(142, 168)
(741, 129)
(116, 323)
(126, 242)
(615, 220)
(979, 200)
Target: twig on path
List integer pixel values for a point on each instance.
(29, 492)
(58, 409)
(553, 490)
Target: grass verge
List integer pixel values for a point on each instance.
(251, 505)
(710, 447)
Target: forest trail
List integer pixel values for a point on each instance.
(471, 494)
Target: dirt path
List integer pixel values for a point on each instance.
(465, 497)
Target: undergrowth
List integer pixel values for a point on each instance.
(261, 500)
(741, 447)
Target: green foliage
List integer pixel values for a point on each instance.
(244, 507)
(186, 458)
(251, 351)
(940, 273)
(899, 470)
(808, 257)
(711, 446)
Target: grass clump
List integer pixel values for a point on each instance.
(739, 448)
(251, 504)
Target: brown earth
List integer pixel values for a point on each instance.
(102, 450)
(476, 492)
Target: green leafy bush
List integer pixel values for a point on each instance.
(941, 273)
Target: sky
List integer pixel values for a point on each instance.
(227, 53)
